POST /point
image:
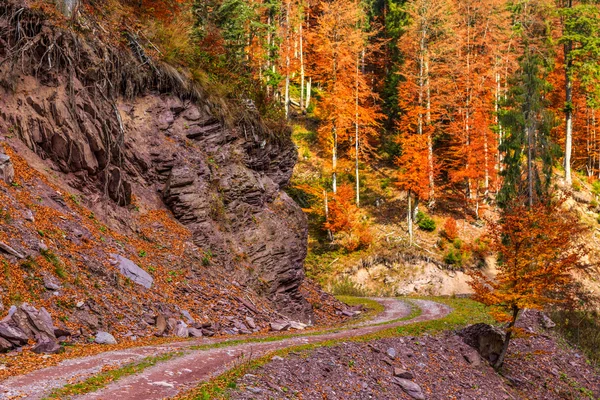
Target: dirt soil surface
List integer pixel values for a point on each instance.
(180, 374)
(444, 367)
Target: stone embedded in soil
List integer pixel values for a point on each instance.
(5, 345)
(298, 325)
(7, 171)
(47, 347)
(195, 332)
(105, 338)
(391, 352)
(181, 330)
(51, 284)
(187, 316)
(486, 339)
(546, 322)
(280, 326)
(251, 323)
(9, 250)
(161, 324)
(402, 373)
(411, 388)
(129, 269)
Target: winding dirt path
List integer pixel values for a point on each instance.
(180, 374)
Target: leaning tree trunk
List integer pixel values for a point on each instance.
(502, 356)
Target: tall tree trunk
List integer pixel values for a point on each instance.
(308, 92)
(569, 105)
(334, 161)
(301, 69)
(530, 165)
(429, 134)
(356, 137)
(287, 60)
(409, 218)
(507, 337)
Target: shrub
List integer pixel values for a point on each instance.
(346, 287)
(454, 257)
(425, 222)
(450, 229)
(596, 188)
(347, 221)
(457, 255)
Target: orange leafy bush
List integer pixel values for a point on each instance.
(347, 221)
(450, 229)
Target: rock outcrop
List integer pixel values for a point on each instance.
(25, 324)
(486, 339)
(112, 128)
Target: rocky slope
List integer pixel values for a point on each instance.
(131, 199)
(427, 367)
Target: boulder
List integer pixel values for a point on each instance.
(298, 325)
(402, 373)
(105, 338)
(7, 171)
(41, 321)
(181, 330)
(13, 334)
(391, 352)
(161, 324)
(47, 347)
(410, 388)
(5, 345)
(546, 322)
(129, 269)
(195, 332)
(279, 326)
(9, 250)
(486, 339)
(251, 323)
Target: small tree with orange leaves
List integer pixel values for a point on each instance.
(538, 249)
(413, 174)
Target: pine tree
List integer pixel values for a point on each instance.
(527, 150)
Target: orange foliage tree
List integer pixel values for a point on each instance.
(346, 107)
(413, 174)
(347, 221)
(538, 250)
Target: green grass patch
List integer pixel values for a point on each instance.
(373, 307)
(465, 312)
(97, 382)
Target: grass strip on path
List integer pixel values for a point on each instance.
(97, 382)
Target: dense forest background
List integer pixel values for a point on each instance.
(459, 105)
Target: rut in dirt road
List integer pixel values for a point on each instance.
(180, 374)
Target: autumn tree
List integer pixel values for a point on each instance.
(346, 107)
(538, 249)
(470, 151)
(413, 175)
(424, 87)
